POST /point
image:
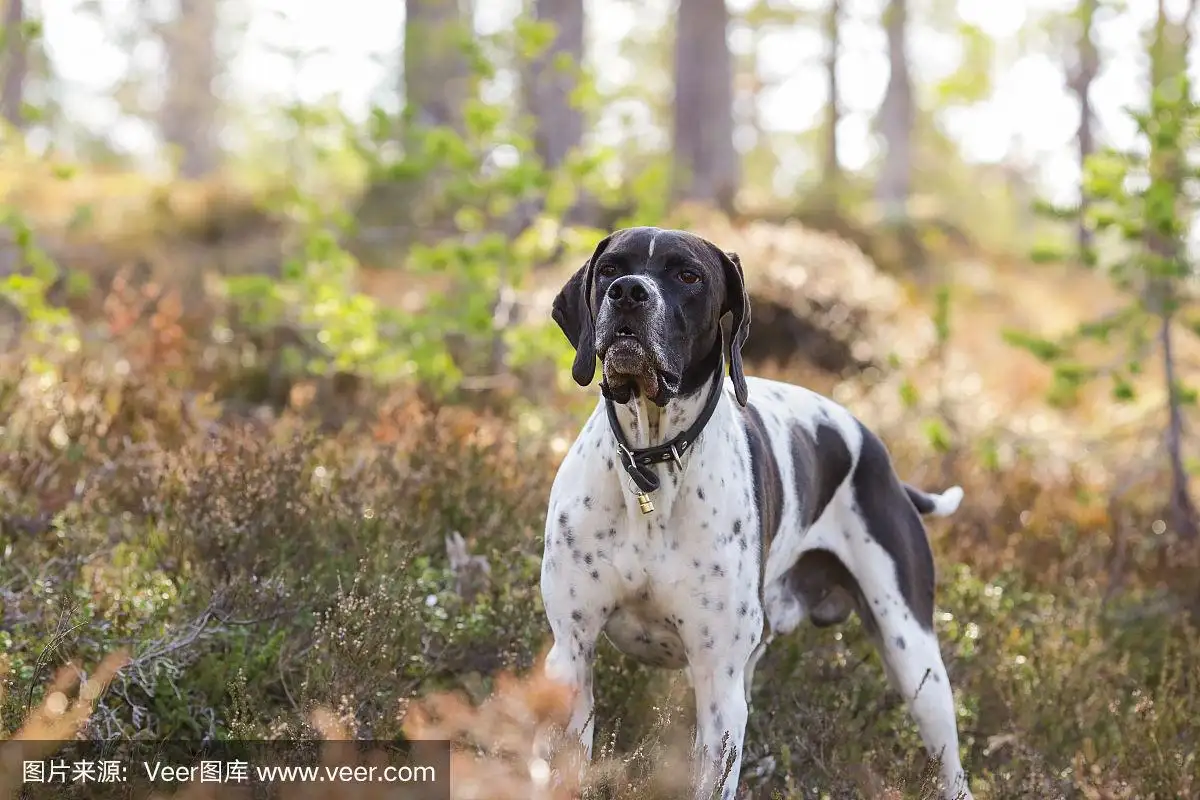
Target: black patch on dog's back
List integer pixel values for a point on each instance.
(894, 523)
(820, 465)
(768, 483)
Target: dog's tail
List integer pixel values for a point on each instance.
(935, 505)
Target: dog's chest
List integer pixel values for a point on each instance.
(653, 584)
(673, 579)
(664, 586)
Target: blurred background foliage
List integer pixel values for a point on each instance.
(274, 295)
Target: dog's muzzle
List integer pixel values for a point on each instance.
(625, 337)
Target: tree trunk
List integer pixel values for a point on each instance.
(706, 166)
(1168, 56)
(896, 119)
(551, 80)
(437, 76)
(1083, 75)
(831, 176)
(436, 84)
(188, 117)
(1170, 43)
(15, 64)
(1183, 510)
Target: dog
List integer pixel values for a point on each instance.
(699, 515)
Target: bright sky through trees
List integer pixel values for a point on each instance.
(1030, 116)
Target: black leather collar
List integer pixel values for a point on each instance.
(638, 462)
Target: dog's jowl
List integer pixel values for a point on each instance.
(698, 515)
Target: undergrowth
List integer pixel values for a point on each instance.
(260, 568)
(267, 546)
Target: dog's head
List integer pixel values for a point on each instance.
(650, 304)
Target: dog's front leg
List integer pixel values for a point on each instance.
(721, 713)
(570, 663)
(577, 610)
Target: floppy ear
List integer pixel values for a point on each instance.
(737, 303)
(573, 313)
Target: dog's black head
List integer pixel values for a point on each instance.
(649, 303)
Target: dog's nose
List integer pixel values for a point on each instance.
(629, 292)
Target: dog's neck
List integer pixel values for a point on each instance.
(676, 430)
(644, 423)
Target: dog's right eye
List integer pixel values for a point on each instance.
(606, 270)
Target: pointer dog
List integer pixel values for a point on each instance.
(698, 516)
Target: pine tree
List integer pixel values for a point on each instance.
(1143, 197)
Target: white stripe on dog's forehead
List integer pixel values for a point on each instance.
(650, 252)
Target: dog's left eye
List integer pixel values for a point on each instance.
(687, 276)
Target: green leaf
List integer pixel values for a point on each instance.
(971, 82)
(564, 64)
(79, 283)
(1185, 395)
(1045, 208)
(989, 454)
(1062, 395)
(481, 120)
(937, 435)
(1047, 252)
(1104, 327)
(1076, 374)
(1122, 390)
(1104, 175)
(469, 220)
(1044, 350)
(533, 36)
(941, 314)
(82, 216)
